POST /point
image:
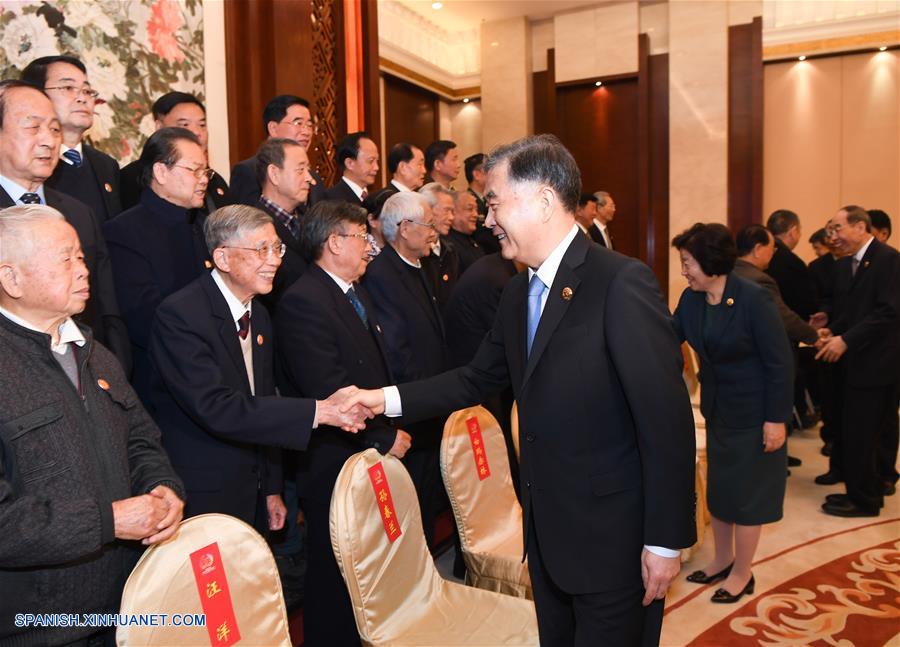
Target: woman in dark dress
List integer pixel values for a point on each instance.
(746, 398)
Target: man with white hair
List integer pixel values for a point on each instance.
(82, 470)
(606, 210)
(407, 309)
(442, 265)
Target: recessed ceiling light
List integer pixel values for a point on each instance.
(465, 101)
(882, 48)
(801, 58)
(437, 5)
(495, 43)
(599, 83)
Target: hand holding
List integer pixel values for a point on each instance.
(657, 572)
(819, 320)
(139, 517)
(832, 349)
(277, 511)
(402, 443)
(339, 411)
(169, 525)
(373, 400)
(774, 435)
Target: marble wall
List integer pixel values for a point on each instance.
(506, 88)
(598, 42)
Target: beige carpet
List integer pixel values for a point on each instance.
(820, 580)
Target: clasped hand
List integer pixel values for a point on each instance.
(150, 518)
(341, 410)
(831, 348)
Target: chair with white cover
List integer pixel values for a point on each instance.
(217, 565)
(475, 469)
(398, 597)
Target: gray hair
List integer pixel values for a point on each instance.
(16, 222)
(432, 190)
(324, 219)
(602, 198)
(401, 206)
(226, 224)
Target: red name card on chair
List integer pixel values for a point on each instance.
(209, 573)
(478, 451)
(384, 501)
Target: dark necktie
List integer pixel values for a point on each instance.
(357, 305)
(73, 156)
(244, 325)
(854, 265)
(30, 198)
(363, 195)
(293, 225)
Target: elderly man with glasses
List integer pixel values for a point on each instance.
(213, 383)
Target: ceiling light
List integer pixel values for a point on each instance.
(882, 48)
(437, 5)
(801, 58)
(599, 83)
(465, 101)
(495, 43)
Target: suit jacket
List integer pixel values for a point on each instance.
(102, 312)
(213, 429)
(293, 265)
(822, 271)
(794, 280)
(245, 189)
(217, 192)
(106, 171)
(467, 248)
(867, 316)
(596, 235)
(602, 473)
(443, 271)
(746, 363)
(797, 329)
(323, 346)
(342, 191)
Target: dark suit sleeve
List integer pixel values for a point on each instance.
(394, 323)
(881, 320)
(648, 362)
(190, 369)
(138, 294)
(797, 329)
(776, 356)
(244, 188)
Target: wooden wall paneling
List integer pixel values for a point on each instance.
(371, 73)
(745, 124)
(544, 93)
(328, 92)
(411, 113)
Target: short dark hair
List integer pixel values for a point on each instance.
(35, 72)
(471, 164)
(711, 245)
(584, 198)
(749, 237)
(401, 152)
(820, 237)
(375, 203)
(277, 108)
(437, 150)
(271, 151)
(167, 102)
(856, 214)
(11, 84)
(348, 147)
(781, 221)
(541, 158)
(162, 148)
(880, 220)
(322, 221)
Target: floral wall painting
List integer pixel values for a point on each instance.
(135, 51)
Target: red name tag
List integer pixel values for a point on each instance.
(212, 585)
(384, 501)
(478, 451)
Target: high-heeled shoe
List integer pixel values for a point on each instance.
(700, 577)
(724, 597)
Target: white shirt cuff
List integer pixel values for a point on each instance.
(316, 417)
(663, 552)
(392, 405)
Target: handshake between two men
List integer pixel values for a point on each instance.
(350, 407)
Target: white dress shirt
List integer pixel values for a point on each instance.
(862, 251)
(237, 311)
(401, 187)
(15, 190)
(604, 233)
(358, 190)
(63, 148)
(69, 333)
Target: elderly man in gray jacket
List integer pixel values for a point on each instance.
(84, 481)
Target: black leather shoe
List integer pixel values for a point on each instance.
(700, 577)
(721, 596)
(847, 508)
(793, 461)
(829, 478)
(826, 448)
(890, 489)
(836, 498)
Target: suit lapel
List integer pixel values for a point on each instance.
(864, 265)
(258, 333)
(227, 329)
(93, 159)
(729, 298)
(5, 199)
(519, 313)
(407, 279)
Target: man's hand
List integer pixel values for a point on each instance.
(402, 443)
(774, 434)
(277, 511)
(657, 572)
(138, 517)
(832, 349)
(337, 411)
(373, 400)
(818, 320)
(169, 525)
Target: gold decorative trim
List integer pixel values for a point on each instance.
(876, 39)
(387, 65)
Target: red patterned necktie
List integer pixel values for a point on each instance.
(244, 325)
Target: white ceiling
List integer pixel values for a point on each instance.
(463, 15)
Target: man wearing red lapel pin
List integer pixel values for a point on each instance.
(607, 451)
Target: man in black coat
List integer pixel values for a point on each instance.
(329, 338)
(29, 145)
(475, 176)
(213, 383)
(285, 116)
(83, 172)
(608, 453)
(177, 110)
(864, 335)
(407, 310)
(465, 223)
(442, 264)
(357, 159)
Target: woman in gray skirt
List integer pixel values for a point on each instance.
(746, 396)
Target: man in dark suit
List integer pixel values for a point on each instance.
(407, 311)
(864, 335)
(606, 211)
(608, 453)
(442, 163)
(442, 264)
(407, 166)
(475, 176)
(83, 172)
(585, 214)
(157, 247)
(464, 225)
(881, 225)
(286, 116)
(213, 383)
(329, 338)
(283, 172)
(29, 152)
(357, 158)
(177, 110)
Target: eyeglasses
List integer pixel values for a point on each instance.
(263, 251)
(301, 123)
(198, 172)
(362, 236)
(429, 225)
(71, 90)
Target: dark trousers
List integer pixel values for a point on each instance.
(867, 414)
(590, 619)
(327, 611)
(835, 415)
(888, 439)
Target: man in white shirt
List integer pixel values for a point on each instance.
(606, 211)
(357, 157)
(406, 164)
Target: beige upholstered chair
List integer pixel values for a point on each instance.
(475, 469)
(397, 594)
(230, 559)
